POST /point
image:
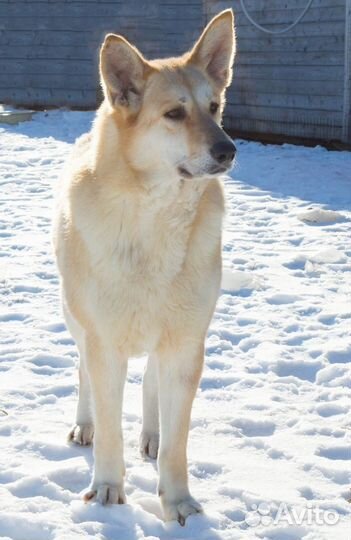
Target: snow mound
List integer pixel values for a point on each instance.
(330, 255)
(238, 281)
(321, 216)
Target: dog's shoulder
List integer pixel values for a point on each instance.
(205, 237)
(80, 158)
(213, 197)
(78, 176)
(211, 207)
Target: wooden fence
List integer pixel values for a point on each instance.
(294, 83)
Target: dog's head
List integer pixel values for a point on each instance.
(169, 111)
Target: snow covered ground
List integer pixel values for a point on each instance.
(270, 437)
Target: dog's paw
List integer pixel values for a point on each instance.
(105, 494)
(181, 509)
(149, 443)
(81, 434)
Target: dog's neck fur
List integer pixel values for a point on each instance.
(145, 223)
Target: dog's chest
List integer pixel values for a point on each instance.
(133, 246)
(136, 251)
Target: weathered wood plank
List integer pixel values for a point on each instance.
(101, 9)
(71, 53)
(283, 86)
(298, 73)
(91, 40)
(59, 9)
(269, 18)
(102, 2)
(346, 129)
(97, 9)
(44, 37)
(46, 80)
(213, 6)
(311, 102)
(279, 114)
(75, 23)
(151, 15)
(42, 66)
(77, 52)
(303, 29)
(36, 97)
(296, 129)
(290, 58)
(288, 4)
(287, 44)
(150, 20)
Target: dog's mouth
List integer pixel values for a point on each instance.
(215, 169)
(218, 170)
(184, 173)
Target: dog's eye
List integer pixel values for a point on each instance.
(176, 114)
(213, 107)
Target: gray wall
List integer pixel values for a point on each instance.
(293, 84)
(49, 48)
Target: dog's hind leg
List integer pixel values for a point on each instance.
(83, 431)
(179, 375)
(149, 438)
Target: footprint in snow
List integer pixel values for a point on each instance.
(340, 356)
(338, 476)
(54, 327)
(341, 452)
(331, 409)
(254, 428)
(281, 298)
(9, 317)
(50, 452)
(27, 289)
(270, 452)
(205, 469)
(300, 368)
(56, 362)
(73, 479)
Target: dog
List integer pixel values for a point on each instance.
(137, 238)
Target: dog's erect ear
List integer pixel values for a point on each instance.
(123, 72)
(215, 49)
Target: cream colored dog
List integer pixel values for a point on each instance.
(138, 244)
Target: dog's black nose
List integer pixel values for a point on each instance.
(223, 152)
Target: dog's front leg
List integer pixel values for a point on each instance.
(179, 375)
(107, 373)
